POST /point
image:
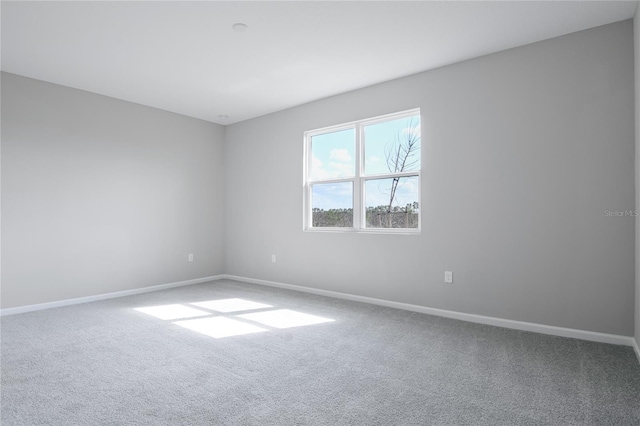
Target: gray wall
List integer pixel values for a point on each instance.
(101, 195)
(523, 151)
(636, 40)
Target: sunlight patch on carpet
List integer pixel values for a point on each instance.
(226, 320)
(219, 327)
(231, 305)
(171, 312)
(284, 318)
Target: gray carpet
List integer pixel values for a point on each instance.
(105, 363)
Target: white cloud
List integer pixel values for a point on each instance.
(341, 169)
(317, 171)
(316, 162)
(332, 170)
(378, 192)
(412, 130)
(341, 155)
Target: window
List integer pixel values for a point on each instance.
(364, 176)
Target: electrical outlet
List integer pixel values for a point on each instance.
(190, 257)
(448, 277)
(273, 258)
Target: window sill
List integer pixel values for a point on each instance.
(364, 231)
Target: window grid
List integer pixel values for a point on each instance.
(358, 181)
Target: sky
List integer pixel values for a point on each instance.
(333, 157)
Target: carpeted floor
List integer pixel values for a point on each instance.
(306, 360)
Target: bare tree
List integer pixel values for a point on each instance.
(402, 154)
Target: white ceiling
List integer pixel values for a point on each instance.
(184, 56)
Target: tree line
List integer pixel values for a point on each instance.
(376, 217)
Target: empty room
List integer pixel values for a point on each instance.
(320, 213)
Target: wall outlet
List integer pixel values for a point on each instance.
(448, 276)
(190, 257)
(273, 258)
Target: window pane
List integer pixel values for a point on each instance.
(392, 146)
(392, 203)
(333, 155)
(332, 205)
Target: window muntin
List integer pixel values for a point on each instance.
(365, 175)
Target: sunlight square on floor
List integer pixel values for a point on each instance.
(284, 318)
(231, 305)
(172, 312)
(219, 327)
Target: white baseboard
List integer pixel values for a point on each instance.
(59, 303)
(481, 319)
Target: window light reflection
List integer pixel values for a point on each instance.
(219, 327)
(231, 305)
(171, 312)
(284, 318)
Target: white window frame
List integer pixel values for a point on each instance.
(359, 179)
